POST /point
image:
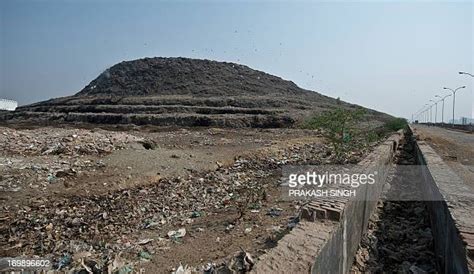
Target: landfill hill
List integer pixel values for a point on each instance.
(184, 92)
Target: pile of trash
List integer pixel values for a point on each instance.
(54, 141)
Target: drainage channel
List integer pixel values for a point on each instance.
(399, 237)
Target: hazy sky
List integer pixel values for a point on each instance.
(390, 56)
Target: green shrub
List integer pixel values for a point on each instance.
(339, 126)
(396, 124)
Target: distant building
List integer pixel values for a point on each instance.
(462, 121)
(6, 104)
(467, 121)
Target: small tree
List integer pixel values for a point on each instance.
(339, 127)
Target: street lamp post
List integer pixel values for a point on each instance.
(436, 109)
(466, 73)
(431, 117)
(454, 96)
(442, 111)
(427, 110)
(420, 115)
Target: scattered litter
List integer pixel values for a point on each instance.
(144, 241)
(274, 212)
(65, 260)
(152, 224)
(145, 255)
(196, 214)
(108, 223)
(51, 178)
(242, 262)
(125, 270)
(293, 221)
(229, 227)
(182, 270)
(177, 234)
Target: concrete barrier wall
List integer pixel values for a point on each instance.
(468, 127)
(328, 246)
(338, 254)
(450, 204)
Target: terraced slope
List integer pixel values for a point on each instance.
(183, 92)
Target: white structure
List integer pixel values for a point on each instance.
(6, 104)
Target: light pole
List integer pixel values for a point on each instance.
(454, 96)
(420, 115)
(427, 112)
(436, 107)
(431, 116)
(436, 111)
(442, 112)
(469, 74)
(466, 73)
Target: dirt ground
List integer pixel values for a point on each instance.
(456, 148)
(148, 199)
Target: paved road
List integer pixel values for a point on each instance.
(455, 148)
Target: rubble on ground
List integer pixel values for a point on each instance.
(39, 157)
(110, 231)
(50, 141)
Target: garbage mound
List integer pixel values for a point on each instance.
(181, 92)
